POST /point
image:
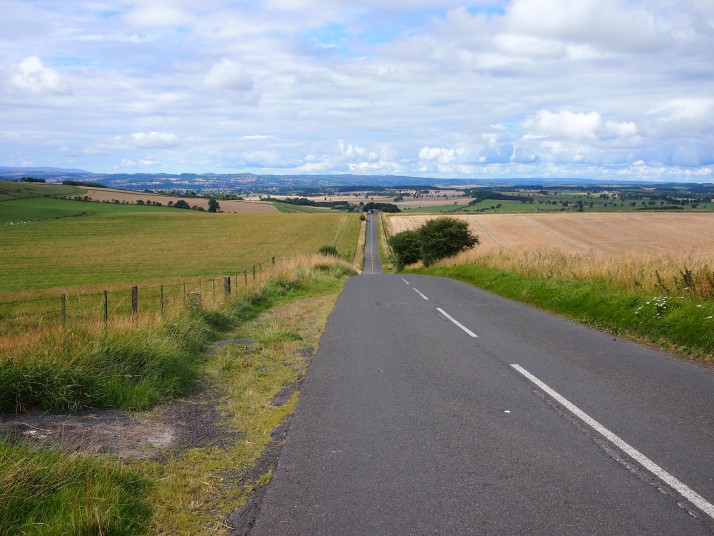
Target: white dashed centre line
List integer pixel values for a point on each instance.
(459, 324)
(420, 294)
(696, 499)
(407, 282)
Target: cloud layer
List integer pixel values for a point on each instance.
(617, 89)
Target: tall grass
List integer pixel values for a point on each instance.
(46, 493)
(135, 367)
(690, 275)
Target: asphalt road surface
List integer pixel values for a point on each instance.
(433, 407)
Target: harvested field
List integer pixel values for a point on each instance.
(609, 233)
(233, 207)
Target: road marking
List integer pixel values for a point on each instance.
(459, 324)
(420, 294)
(693, 497)
(407, 282)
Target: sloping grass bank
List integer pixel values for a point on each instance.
(683, 324)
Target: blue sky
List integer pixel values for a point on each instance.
(613, 89)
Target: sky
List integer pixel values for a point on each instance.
(602, 89)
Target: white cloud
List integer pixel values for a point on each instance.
(32, 75)
(153, 139)
(228, 74)
(579, 126)
(609, 24)
(441, 155)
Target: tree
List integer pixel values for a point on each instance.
(213, 205)
(444, 237)
(406, 247)
(181, 204)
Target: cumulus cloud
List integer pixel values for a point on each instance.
(442, 155)
(32, 75)
(576, 126)
(228, 74)
(610, 24)
(153, 139)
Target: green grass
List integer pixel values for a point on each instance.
(491, 206)
(132, 247)
(135, 368)
(47, 493)
(440, 209)
(297, 209)
(684, 325)
(21, 211)
(22, 190)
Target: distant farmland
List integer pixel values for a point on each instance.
(229, 206)
(608, 233)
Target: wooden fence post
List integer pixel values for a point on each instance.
(199, 287)
(106, 307)
(161, 299)
(273, 261)
(227, 286)
(245, 275)
(254, 272)
(64, 309)
(134, 304)
(184, 294)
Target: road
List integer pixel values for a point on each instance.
(433, 407)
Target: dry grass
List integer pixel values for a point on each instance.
(658, 253)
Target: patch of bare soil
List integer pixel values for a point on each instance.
(182, 424)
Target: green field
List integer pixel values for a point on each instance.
(44, 208)
(24, 190)
(294, 209)
(158, 243)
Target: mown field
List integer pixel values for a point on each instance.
(157, 243)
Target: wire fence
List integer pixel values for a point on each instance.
(124, 304)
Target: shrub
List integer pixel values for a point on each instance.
(444, 237)
(329, 250)
(406, 247)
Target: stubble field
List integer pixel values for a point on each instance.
(613, 233)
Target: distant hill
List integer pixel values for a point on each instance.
(244, 183)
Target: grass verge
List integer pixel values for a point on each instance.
(46, 493)
(682, 324)
(191, 491)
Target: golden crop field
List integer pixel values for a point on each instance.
(653, 252)
(667, 233)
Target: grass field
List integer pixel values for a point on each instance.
(20, 211)
(137, 246)
(297, 209)
(22, 190)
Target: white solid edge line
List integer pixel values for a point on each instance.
(696, 499)
(420, 294)
(407, 282)
(459, 324)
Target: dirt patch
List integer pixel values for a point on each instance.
(183, 424)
